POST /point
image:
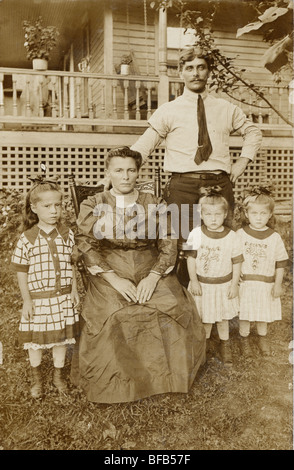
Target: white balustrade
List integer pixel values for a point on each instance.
(65, 98)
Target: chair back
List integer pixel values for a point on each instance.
(79, 192)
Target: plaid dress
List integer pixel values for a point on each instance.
(46, 258)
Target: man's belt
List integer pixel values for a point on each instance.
(201, 175)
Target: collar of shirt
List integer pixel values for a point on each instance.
(192, 96)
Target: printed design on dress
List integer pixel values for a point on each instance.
(208, 255)
(256, 251)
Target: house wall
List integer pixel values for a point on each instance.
(89, 41)
(133, 35)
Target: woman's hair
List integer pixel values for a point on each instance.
(192, 53)
(211, 195)
(33, 196)
(124, 152)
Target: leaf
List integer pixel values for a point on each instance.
(109, 431)
(272, 13)
(128, 444)
(275, 57)
(249, 27)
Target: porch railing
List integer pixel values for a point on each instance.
(61, 99)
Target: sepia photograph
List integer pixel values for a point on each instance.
(146, 227)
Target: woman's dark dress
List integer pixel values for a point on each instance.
(127, 350)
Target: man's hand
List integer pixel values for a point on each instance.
(238, 168)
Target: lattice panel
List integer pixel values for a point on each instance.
(88, 164)
(254, 174)
(279, 169)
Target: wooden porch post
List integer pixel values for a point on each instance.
(163, 87)
(108, 58)
(71, 84)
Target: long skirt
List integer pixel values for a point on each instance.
(128, 351)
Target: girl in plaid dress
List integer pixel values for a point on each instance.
(265, 258)
(214, 268)
(46, 278)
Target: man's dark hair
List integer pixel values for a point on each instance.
(192, 53)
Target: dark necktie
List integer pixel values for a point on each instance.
(204, 144)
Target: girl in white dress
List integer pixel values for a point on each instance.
(265, 258)
(214, 261)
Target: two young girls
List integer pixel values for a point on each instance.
(46, 278)
(254, 257)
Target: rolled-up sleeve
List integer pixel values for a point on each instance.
(147, 143)
(252, 135)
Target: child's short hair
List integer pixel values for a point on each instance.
(211, 195)
(259, 195)
(262, 198)
(124, 152)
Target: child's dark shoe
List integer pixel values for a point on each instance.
(37, 386)
(226, 353)
(246, 348)
(264, 346)
(58, 380)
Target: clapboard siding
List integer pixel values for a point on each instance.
(130, 35)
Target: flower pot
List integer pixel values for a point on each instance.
(40, 64)
(124, 69)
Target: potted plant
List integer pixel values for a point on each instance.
(39, 41)
(125, 62)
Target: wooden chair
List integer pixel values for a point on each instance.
(79, 192)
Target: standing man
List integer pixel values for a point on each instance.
(196, 127)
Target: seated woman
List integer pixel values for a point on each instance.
(142, 335)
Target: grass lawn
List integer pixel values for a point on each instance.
(246, 407)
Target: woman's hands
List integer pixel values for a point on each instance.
(140, 293)
(124, 286)
(146, 287)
